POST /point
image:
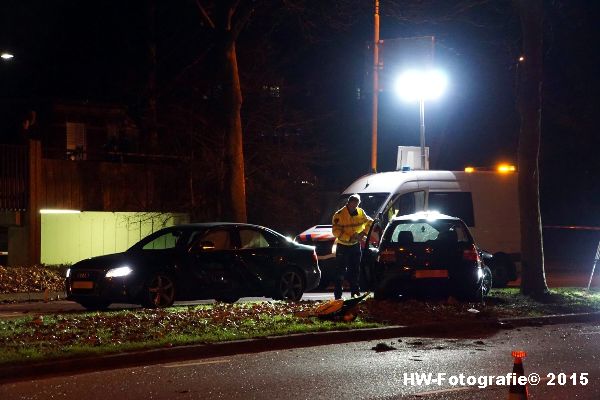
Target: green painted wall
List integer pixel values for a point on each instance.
(68, 238)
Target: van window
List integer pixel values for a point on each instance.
(455, 204)
(408, 203)
(369, 202)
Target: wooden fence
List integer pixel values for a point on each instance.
(14, 176)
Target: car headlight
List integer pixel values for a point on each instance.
(68, 274)
(116, 272)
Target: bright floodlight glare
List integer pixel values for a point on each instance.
(55, 211)
(6, 56)
(421, 85)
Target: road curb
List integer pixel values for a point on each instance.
(551, 319)
(181, 353)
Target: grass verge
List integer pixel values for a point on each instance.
(510, 303)
(57, 336)
(48, 337)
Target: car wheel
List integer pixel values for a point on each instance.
(486, 284)
(94, 304)
(159, 291)
(290, 286)
(481, 290)
(230, 299)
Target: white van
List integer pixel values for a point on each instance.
(487, 201)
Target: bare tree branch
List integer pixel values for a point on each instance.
(205, 15)
(242, 16)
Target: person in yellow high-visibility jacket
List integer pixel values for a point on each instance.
(349, 225)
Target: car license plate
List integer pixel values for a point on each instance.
(431, 273)
(83, 285)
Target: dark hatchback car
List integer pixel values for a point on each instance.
(428, 251)
(224, 261)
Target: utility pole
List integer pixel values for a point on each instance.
(375, 88)
(422, 132)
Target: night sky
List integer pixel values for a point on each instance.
(97, 51)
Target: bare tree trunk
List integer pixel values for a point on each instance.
(234, 185)
(150, 115)
(530, 107)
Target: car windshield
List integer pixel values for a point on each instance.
(369, 202)
(430, 232)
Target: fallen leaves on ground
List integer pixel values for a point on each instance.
(411, 312)
(31, 279)
(144, 328)
(48, 333)
(94, 329)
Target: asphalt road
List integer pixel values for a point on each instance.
(351, 371)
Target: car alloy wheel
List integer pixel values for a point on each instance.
(291, 286)
(486, 284)
(160, 292)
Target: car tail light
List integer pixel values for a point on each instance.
(388, 255)
(471, 255)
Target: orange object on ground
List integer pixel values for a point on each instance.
(517, 391)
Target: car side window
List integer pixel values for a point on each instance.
(163, 242)
(219, 237)
(274, 239)
(251, 239)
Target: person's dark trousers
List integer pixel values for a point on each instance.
(348, 259)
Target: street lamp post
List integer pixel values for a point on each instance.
(422, 131)
(420, 86)
(375, 88)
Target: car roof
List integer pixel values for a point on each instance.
(392, 181)
(426, 215)
(204, 225)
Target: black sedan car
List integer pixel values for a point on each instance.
(224, 261)
(430, 251)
